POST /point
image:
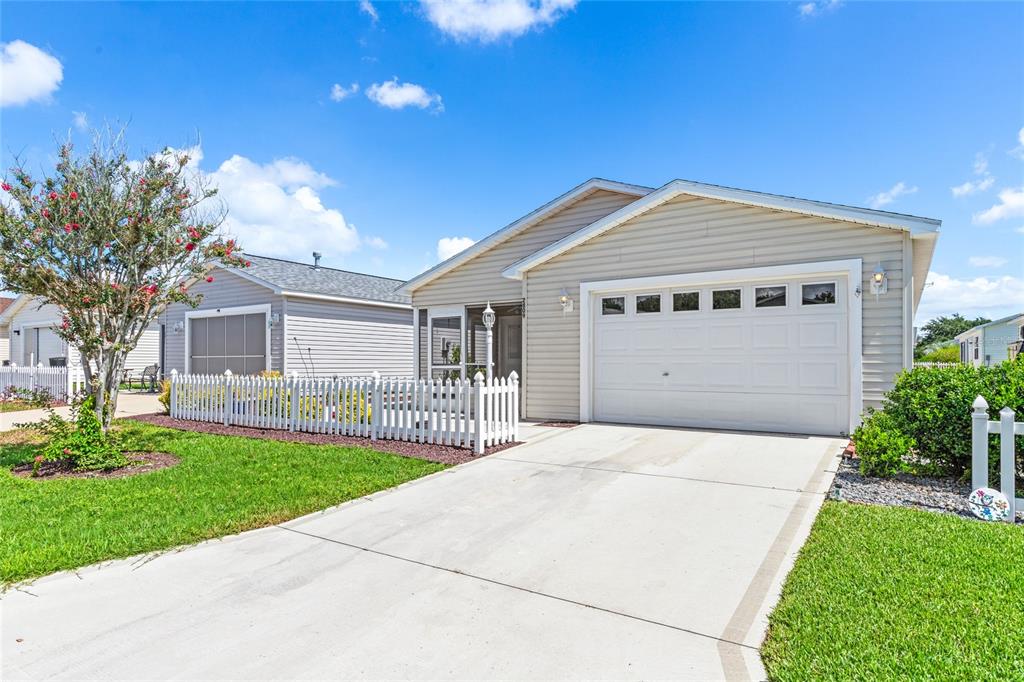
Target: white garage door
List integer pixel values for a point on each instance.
(763, 356)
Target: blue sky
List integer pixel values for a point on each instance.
(453, 119)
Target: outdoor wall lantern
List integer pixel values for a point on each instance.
(273, 319)
(17, 332)
(879, 281)
(488, 318)
(566, 300)
(178, 327)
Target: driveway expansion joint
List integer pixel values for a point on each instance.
(492, 581)
(652, 475)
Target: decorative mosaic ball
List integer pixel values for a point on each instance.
(989, 504)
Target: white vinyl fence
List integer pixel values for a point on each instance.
(1007, 428)
(59, 382)
(937, 364)
(462, 413)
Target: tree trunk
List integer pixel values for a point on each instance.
(104, 383)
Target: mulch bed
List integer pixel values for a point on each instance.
(934, 494)
(443, 454)
(141, 463)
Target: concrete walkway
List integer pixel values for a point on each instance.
(601, 551)
(127, 405)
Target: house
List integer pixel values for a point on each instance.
(5, 333)
(290, 317)
(686, 305)
(31, 326)
(990, 343)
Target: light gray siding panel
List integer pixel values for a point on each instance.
(348, 339)
(696, 235)
(480, 279)
(227, 290)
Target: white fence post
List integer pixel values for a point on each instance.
(174, 394)
(979, 444)
(514, 380)
(478, 417)
(375, 406)
(294, 398)
(1007, 465)
(229, 397)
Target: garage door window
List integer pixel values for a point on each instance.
(235, 342)
(770, 297)
(818, 293)
(685, 301)
(649, 303)
(726, 299)
(614, 305)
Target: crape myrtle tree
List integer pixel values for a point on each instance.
(111, 242)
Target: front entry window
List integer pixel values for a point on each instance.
(446, 347)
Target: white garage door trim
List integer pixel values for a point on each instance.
(220, 312)
(851, 269)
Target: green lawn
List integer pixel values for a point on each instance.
(222, 485)
(881, 593)
(16, 406)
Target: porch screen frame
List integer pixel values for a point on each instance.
(446, 311)
(190, 315)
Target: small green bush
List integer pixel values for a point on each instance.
(932, 405)
(882, 449)
(81, 441)
(942, 354)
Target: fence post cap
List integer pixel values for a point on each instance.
(40, 365)
(980, 404)
(478, 377)
(1006, 412)
(227, 373)
(376, 375)
(513, 376)
(295, 375)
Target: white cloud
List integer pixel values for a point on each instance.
(987, 261)
(490, 20)
(366, 7)
(449, 246)
(27, 73)
(812, 9)
(983, 184)
(973, 187)
(1018, 151)
(885, 198)
(275, 209)
(992, 297)
(1020, 230)
(375, 243)
(340, 92)
(80, 120)
(1011, 205)
(394, 95)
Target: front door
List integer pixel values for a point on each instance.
(510, 346)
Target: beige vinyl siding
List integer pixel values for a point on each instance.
(479, 279)
(689, 235)
(146, 352)
(227, 290)
(347, 339)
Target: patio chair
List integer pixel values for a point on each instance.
(150, 373)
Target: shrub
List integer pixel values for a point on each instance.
(882, 449)
(932, 405)
(942, 354)
(165, 395)
(82, 441)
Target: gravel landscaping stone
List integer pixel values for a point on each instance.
(942, 495)
(443, 454)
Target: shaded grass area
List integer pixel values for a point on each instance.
(222, 485)
(892, 593)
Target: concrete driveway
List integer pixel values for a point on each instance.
(595, 552)
(128, 404)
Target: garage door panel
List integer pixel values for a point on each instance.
(780, 368)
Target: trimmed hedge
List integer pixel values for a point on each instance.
(932, 406)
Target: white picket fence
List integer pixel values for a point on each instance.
(1007, 428)
(937, 364)
(59, 382)
(461, 413)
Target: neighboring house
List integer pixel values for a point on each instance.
(989, 344)
(31, 329)
(291, 317)
(5, 332)
(687, 305)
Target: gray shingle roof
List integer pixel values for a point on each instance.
(302, 277)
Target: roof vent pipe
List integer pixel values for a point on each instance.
(316, 260)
